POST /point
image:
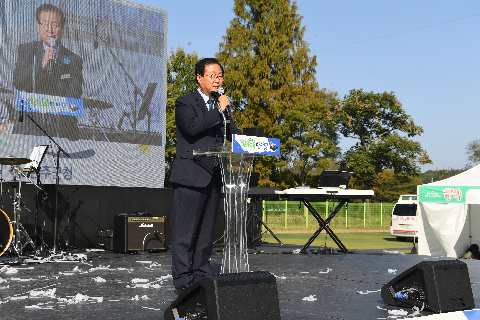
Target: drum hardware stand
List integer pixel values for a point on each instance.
(1, 184)
(17, 226)
(18, 230)
(57, 182)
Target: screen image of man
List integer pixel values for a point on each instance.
(197, 179)
(47, 67)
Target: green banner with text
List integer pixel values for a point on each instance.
(444, 194)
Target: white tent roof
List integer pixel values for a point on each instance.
(470, 177)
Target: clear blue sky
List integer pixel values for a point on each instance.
(427, 52)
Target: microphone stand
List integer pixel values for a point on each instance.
(57, 182)
(36, 236)
(65, 200)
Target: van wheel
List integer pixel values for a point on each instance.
(402, 239)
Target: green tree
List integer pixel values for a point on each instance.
(473, 151)
(389, 186)
(181, 79)
(430, 176)
(270, 78)
(383, 129)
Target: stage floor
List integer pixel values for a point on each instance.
(105, 285)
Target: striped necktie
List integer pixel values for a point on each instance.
(211, 104)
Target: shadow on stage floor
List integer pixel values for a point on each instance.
(105, 285)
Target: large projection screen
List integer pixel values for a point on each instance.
(102, 99)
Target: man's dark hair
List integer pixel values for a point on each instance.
(200, 66)
(51, 8)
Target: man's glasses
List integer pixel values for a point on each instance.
(47, 26)
(215, 76)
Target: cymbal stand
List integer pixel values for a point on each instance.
(1, 184)
(17, 226)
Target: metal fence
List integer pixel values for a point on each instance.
(293, 215)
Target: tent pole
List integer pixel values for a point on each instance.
(469, 222)
(414, 249)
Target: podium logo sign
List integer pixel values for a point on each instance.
(257, 145)
(43, 103)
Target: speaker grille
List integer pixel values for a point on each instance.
(439, 286)
(132, 232)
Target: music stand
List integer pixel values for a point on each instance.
(37, 155)
(147, 98)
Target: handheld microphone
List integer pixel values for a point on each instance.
(95, 39)
(216, 95)
(21, 111)
(224, 113)
(52, 44)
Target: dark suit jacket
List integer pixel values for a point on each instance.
(197, 129)
(65, 81)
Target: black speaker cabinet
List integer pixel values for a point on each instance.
(229, 296)
(439, 286)
(131, 232)
(254, 131)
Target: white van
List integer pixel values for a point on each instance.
(404, 217)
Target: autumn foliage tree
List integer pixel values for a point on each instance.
(270, 78)
(383, 130)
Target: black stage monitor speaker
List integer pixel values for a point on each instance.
(439, 286)
(131, 232)
(229, 296)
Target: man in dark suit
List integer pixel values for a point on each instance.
(197, 179)
(47, 67)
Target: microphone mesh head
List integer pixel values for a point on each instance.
(221, 90)
(52, 42)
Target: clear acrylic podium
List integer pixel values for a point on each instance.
(236, 168)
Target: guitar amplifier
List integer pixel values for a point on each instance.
(138, 232)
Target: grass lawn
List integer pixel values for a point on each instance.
(351, 240)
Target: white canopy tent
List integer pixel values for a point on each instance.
(449, 215)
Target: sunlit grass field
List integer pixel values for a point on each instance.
(351, 240)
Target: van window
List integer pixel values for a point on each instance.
(405, 210)
(409, 198)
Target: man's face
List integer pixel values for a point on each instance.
(211, 80)
(50, 27)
